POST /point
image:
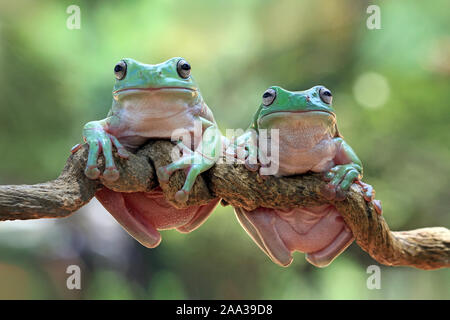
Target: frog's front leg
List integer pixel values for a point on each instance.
(193, 164)
(249, 142)
(204, 157)
(99, 140)
(348, 169)
(245, 148)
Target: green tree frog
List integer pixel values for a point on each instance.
(154, 101)
(308, 140)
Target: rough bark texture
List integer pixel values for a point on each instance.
(427, 248)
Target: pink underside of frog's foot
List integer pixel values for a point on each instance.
(377, 206)
(368, 191)
(320, 232)
(142, 214)
(369, 196)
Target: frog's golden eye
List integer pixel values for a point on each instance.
(325, 95)
(268, 97)
(120, 70)
(183, 69)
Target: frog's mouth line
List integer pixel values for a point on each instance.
(155, 89)
(298, 112)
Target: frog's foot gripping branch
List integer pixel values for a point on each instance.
(333, 191)
(192, 166)
(100, 141)
(427, 248)
(369, 196)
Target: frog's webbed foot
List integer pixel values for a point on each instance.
(101, 141)
(340, 179)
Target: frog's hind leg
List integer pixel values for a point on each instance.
(142, 214)
(252, 232)
(138, 228)
(201, 215)
(261, 225)
(324, 257)
(318, 231)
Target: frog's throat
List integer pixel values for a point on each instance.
(280, 112)
(153, 89)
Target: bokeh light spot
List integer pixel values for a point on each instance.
(371, 90)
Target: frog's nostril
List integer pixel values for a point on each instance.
(308, 99)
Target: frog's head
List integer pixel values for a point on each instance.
(280, 104)
(170, 83)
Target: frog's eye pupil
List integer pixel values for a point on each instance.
(183, 69)
(325, 95)
(269, 97)
(120, 70)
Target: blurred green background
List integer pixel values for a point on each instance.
(391, 93)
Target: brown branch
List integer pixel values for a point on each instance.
(427, 248)
(72, 189)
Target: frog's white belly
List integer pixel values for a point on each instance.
(142, 119)
(317, 158)
(306, 143)
(147, 126)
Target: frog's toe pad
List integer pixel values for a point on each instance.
(92, 172)
(111, 174)
(377, 205)
(181, 196)
(368, 190)
(123, 153)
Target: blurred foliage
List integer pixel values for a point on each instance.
(391, 93)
